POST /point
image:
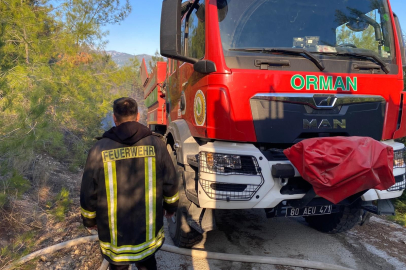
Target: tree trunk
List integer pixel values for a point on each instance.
(27, 55)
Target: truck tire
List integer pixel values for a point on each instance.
(181, 233)
(336, 222)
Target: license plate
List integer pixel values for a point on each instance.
(309, 211)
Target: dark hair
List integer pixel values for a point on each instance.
(125, 107)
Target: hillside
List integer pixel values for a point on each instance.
(123, 58)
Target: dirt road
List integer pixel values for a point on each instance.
(377, 245)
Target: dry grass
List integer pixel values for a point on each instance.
(31, 211)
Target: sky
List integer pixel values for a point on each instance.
(139, 32)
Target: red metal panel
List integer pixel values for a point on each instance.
(161, 72)
(153, 114)
(221, 121)
(394, 114)
(244, 84)
(401, 132)
(144, 72)
(214, 48)
(152, 82)
(157, 77)
(156, 113)
(397, 45)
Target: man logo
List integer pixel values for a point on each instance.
(325, 101)
(324, 124)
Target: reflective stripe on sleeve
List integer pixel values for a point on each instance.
(172, 199)
(87, 214)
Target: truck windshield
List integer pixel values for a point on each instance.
(318, 26)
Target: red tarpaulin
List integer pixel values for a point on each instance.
(339, 167)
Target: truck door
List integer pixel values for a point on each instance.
(192, 84)
(186, 86)
(172, 91)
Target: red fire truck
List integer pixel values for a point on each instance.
(248, 79)
(154, 95)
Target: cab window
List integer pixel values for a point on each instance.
(193, 30)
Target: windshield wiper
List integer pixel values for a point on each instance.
(367, 55)
(295, 51)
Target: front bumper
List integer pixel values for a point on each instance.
(260, 190)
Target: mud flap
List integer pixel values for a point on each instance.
(201, 219)
(383, 207)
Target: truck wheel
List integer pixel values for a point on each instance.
(336, 222)
(181, 233)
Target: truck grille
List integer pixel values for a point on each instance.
(306, 119)
(229, 191)
(400, 183)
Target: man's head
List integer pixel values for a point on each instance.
(125, 110)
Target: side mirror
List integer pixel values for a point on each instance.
(171, 20)
(170, 28)
(401, 41)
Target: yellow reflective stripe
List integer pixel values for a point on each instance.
(136, 248)
(111, 190)
(132, 257)
(150, 191)
(172, 199)
(153, 196)
(146, 199)
(115, 202)
(87, 214)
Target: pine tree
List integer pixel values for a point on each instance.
(56, 85)
(84, 18)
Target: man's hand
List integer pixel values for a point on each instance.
(92, 230)
(169, 215)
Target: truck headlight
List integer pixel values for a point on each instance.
(228, 164)
(399, 159)
(219, 162)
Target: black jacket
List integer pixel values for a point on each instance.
(128, 180)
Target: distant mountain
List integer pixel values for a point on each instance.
(122, 59)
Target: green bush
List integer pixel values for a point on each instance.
(3, 199)
(19, 184)
(61, 205)
(21, 246)
(400, 206)
(15, 185)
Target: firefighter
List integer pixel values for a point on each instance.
(128, 182)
